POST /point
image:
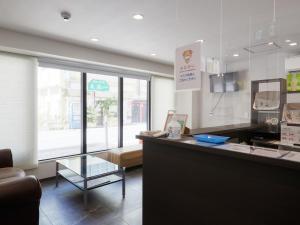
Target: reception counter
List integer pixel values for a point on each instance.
(199, 183)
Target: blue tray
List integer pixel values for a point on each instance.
(211, 138)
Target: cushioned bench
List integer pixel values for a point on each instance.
(127, 156)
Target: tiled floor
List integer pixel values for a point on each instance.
(64, 205)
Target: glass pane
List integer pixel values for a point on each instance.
(58, 113)
(102, 112)
(135, 109)
(88, 166)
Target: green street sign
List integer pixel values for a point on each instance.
(98, 85)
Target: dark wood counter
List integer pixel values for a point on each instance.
(186, 183)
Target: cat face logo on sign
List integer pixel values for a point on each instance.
(187, 55)
(187, 67)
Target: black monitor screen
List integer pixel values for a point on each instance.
(226, 82)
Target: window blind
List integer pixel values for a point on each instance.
(162, 100)
(17, 108)
(92, 68)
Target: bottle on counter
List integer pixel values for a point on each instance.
(174, 129)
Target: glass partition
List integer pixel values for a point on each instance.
(248, 49)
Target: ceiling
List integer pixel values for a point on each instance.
(167, 24)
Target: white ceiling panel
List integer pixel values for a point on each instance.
(166, 24)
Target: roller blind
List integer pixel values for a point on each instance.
(162, 100)
(17, 108)
(92, 68)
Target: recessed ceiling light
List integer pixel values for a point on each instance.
(138, 16)
(65, 15)
(153, 54)
(293, 44)
(200, 40)
(94, 39)
(236, 55)
(271, 43)
(287, 41)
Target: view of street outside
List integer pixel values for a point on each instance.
(59, 112)
(67, 142)
(134, 109)
(102, 112)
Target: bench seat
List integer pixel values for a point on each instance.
(127, 156)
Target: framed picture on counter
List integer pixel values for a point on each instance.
(180, 118)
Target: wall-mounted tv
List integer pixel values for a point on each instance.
(226, 82)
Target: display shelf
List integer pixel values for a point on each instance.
(267, 111)
(293, 124)
(293, 71)
(260, 117)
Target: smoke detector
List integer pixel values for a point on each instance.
(65, 15)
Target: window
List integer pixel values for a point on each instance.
(58, 113)
(135, 109)
(115, 108)
(102, 112)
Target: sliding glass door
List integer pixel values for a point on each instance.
(102, 112)
(59, 128)
(82, 112)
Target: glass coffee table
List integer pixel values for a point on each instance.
(88, 172)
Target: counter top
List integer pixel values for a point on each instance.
(278, 145)
(289, 159)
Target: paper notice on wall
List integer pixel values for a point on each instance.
(212, 66)
(188, 67)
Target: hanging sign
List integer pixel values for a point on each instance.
(188, 67)
(98, 85)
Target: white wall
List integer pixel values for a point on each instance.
(188, 102)
(162, 100)
(16, 42)
(235, 107)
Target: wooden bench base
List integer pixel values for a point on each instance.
(127, 156)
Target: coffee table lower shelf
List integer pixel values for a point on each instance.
(78, 181)
(87, 172)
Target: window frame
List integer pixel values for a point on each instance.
(83, 116)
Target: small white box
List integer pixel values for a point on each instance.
(297, 135)
(290, 134)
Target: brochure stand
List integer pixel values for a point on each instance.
(267, 104)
